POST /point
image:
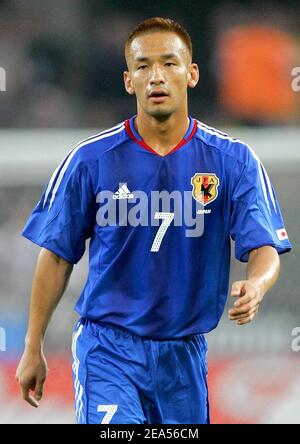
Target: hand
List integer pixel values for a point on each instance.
(31, 374)
(246, 306)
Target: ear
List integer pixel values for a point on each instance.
(128, 83)
(193, 75)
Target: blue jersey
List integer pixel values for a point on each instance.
(159, 270)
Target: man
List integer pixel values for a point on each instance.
(159, 264)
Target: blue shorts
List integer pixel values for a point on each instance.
(122, 378)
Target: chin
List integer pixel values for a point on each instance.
(161, 113)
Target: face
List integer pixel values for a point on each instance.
(159, 73)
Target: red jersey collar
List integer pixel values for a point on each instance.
(134, 135)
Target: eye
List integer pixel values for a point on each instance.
(142, 67)
(170, 64)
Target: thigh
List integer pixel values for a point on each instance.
(103, 392)
(183, 393)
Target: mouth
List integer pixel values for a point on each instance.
(158, 96)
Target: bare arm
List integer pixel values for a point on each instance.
(49, 282)
(262, 273)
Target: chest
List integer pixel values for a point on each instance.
(189, 182)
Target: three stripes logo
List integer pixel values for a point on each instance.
(123, 193)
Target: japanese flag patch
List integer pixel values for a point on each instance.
(282, 234)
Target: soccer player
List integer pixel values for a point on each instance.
(157, 282)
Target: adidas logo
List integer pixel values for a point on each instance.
(123, 193)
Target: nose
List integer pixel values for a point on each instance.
(156, 76)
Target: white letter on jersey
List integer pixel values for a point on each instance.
(110, 411)
(167, 219)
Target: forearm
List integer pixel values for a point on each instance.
(50, 280)
(262, 273)
(263, 268)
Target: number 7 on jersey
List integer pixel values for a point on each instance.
(167, 219)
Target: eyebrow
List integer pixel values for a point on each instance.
(170, 55)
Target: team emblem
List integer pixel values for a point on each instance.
(205, 187)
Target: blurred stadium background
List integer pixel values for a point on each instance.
(63, 62)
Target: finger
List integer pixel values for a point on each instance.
(26, 396)
(246, 320)
(242, 300)
(249, 294)
(244, 308)
(233, 313)
(243, 315)
(38, 393)
(237, 288)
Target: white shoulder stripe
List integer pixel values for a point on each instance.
(260, 166)
(211, 128)
(261, 170)
(91, 138)
(71, 155)
(218, 134)
(269, 186)
(52, 180)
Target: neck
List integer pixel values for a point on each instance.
(162, 135)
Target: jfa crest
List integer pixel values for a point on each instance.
(205, 187)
